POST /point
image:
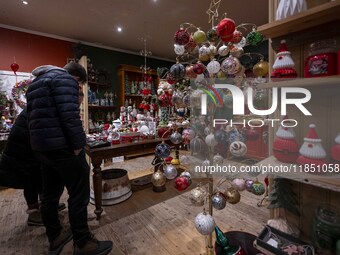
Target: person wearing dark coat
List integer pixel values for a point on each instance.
(57, 138)
(19, 169)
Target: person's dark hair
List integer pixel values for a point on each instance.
(76, 69)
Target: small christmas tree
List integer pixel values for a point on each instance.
(282, 196)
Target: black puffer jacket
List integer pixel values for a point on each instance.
(53, 110)
(18, 164)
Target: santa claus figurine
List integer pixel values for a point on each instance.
(285, 147)
(312, 152)
(283, 66)
(335, 151)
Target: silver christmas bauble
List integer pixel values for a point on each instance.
(218, 201)
(170, 172)
(204, 223)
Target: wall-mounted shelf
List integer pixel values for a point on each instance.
(310, 18)
(319, 180)
(303, 82)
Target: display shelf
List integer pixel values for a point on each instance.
(130, 95)
(303, 82)
(101, 107)
(310, 18)
(98, 84)
(329, 181)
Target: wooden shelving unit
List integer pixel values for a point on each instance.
(310, 18)
(325, 181)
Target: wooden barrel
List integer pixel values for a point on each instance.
(116, 187)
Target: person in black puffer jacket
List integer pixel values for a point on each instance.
(57, 139)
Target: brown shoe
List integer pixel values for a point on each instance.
(94, 247)
(59, 242)
(34, 218)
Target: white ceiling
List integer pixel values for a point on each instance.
(95, 21)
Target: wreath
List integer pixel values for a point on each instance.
(19, 91)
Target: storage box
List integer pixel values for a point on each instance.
(262, 242)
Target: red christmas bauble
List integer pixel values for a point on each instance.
(168, 160)
(199, 68)
(182, 183)
(237, 37)
(181, 37)
(226, 27)
(15, 67)
(286, 150)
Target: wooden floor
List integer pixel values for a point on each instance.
(147, 223)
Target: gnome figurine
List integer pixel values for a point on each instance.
(312, 152)
(283, 66)
(335, 151)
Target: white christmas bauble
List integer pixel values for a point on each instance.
(143, 129)
(170, 172)
(238, 148)
(239, 184)
(242, 43)
(212, 50)
(218, 159)
(210, 140)
(213, 67)
(179, 49)
(184, 159)
(223, 50)
(230, 65)
(204, 223)
(204, 50)
(206, 162)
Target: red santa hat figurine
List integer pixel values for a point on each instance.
(285, 147)
(283, 66)
(312, 151)
(335, 151)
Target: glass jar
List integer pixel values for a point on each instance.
(326, 228)
(322, 59)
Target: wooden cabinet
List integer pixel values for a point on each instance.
(317, 23)
(128, 74)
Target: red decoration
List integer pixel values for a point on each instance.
(168, 160)
(237, 37)
(283, 66)
(335, 151)
(266, 181)
(15, 67)
(182, 183)
(286, 150)
(199, 68)
(181, 37)
(226, 27)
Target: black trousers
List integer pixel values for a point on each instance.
(61, 168)
(33, 188)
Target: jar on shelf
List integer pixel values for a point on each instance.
(322, 59)
(326, 228)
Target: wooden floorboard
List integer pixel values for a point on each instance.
(147, 223)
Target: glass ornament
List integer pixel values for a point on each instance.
(204, 223)
(238, 149)
(186, 100)
(187, 135)
(184, 160)
(158, 179)
(212, 35)
(221, 76)
(221, 136)
(213, 67)
(204, 58)
(230, 65)
(261, 68)
(204, 50)
(254, 38)
(186, 174)
(239, 184)
(199, 36)
(210, 140)
(223, 50)
(181, 183)
(212, 50)
(218, 201)
(242, 43)
(170, 172)
(258, 188)
(234, 135)
(189, 72)
(177, 98)
(236, 52)
(226, 27)
(176, 138)
(199, 68)
(179, 49)
(197, 145)
(249, 185)
(162, 150)
(177, 71)
(197, 196)
(181, 37)
(237, 37)
(232, 196)
(191, 45)
(218, 159)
